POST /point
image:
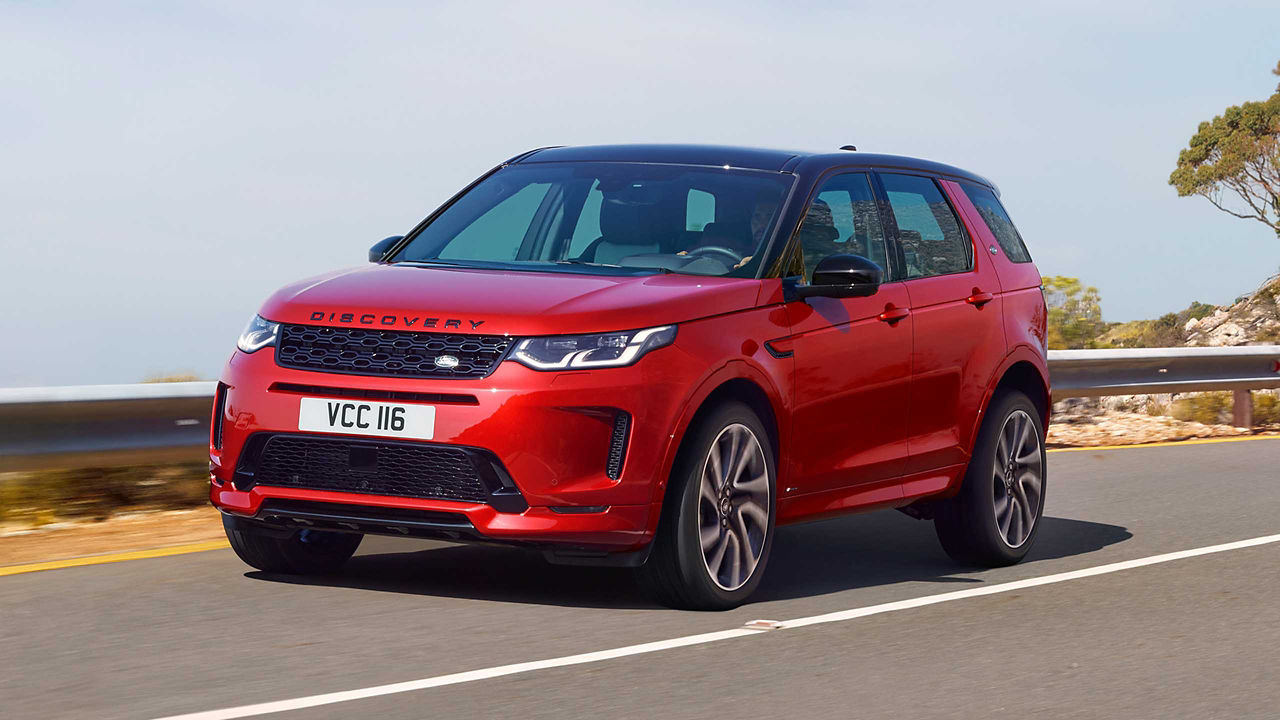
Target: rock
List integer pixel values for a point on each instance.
(1228, 333)
(1122, 428)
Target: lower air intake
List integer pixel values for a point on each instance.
(399, 469)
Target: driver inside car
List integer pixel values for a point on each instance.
(738, 238)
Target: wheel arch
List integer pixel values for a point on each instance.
(1025, 370)
(736, 381)
(748, 393)
(1026, 377)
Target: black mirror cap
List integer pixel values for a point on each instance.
(843, 276)
(381, 247)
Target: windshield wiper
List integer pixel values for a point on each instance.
(579, 261)
(434, 263)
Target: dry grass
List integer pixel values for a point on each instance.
(39, 498)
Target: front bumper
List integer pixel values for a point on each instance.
(552, 433)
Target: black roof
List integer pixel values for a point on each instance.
(742, 157)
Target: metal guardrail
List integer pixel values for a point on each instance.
(1150, 371)
(104, 425)
(113, 425)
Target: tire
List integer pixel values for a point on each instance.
(739, 514)
(306, 552)
(985, 524)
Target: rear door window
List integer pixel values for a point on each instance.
(994, 215)
(932, 239)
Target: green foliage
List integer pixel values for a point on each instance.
(41, 497)
(1164, 331)
(1075, 313)
(1237, 153)
(1211, 408)
(1266, 409)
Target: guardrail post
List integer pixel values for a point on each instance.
(1242, 410)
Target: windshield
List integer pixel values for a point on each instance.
(605, 216)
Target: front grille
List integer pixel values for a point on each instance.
(378, 468)
(393, 353)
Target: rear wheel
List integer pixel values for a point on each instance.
(717, 527)
(305, 552)
(994, 518)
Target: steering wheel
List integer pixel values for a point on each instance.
(719, 250)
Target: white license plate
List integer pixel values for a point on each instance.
(355, 417)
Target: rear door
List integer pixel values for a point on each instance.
(852, 355)
(1024, 311)
(956, 317)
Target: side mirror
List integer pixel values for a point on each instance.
(381, 247)
(842, 276)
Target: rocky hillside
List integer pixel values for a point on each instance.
(1253, 320)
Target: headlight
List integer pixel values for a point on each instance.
(259, 334)
(564, 352)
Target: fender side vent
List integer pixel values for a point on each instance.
(618, 444)
(219, 403)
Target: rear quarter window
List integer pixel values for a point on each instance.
(994, 215)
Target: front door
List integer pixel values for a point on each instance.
(852, 355)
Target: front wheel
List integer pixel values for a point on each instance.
(305, 552)
(717, 527)
(994, 518)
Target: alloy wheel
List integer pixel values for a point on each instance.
(1018, 481)
(733, 506)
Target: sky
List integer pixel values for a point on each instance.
(165, 166)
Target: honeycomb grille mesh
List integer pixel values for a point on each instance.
(360, 351)
(369, 467)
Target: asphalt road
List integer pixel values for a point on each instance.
(1195, 637)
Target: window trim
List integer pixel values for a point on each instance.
(964, 230)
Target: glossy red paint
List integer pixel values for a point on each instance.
(1025, 316)
(874, 401)
(515, 303)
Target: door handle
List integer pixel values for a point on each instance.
(893, 314)
(979, 298)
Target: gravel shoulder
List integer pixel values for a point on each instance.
(135, 531)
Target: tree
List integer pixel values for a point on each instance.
(1237, 154)
(1075, 313)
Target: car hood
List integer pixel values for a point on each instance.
(402, 297)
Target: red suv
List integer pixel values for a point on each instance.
(650, 356)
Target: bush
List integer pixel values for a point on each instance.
(1075, 313)
(1211, 408)
(43, 497)
(1266, 409)
(1155, 407)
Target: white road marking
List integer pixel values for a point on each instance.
(704, 638)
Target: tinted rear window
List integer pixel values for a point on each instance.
(932, 240)
(997, 219)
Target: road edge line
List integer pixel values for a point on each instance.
(6, 570)
(310, 701)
